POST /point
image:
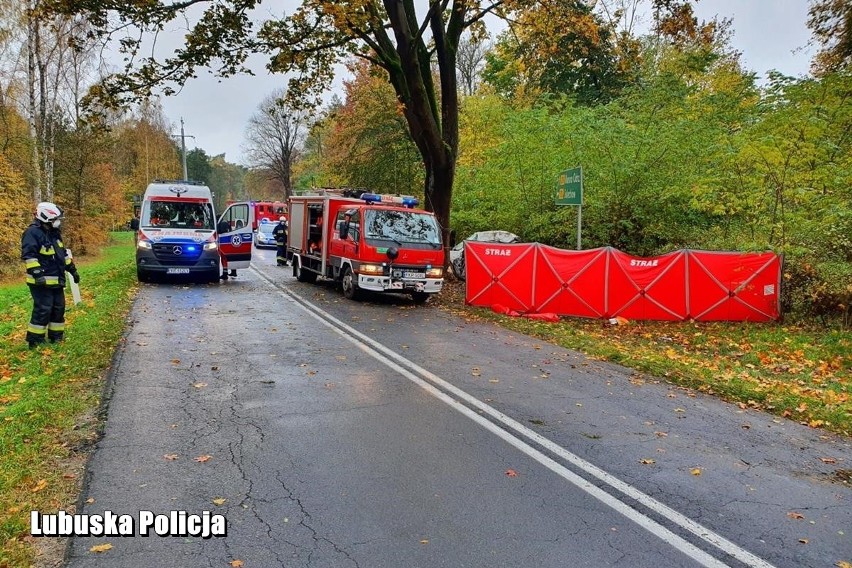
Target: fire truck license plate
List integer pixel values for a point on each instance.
(177, 271)
(410, 275)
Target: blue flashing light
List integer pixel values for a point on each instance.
(371, 197)
(191, 249)
(405, 200)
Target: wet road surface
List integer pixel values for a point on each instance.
(382, 434)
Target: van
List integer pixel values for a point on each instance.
(179, 235)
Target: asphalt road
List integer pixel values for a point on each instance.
(382, 434)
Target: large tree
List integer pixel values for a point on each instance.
(415, 46)
(274, 136)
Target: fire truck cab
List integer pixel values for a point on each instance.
(379, 243)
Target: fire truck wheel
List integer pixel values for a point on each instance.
(350, 286)
(419, 297)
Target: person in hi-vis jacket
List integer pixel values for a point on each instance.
(280, 234)
(46, 261)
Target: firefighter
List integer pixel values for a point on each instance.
(280, 234)
(46, 261)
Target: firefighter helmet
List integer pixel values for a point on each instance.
(47, 212)
(282, 218)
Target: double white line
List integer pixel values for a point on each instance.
(514, 433)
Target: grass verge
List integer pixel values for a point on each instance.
(796, 371)
(49, 397)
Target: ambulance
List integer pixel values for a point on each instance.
(377, 243)
(179, 234)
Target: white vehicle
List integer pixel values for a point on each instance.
(457, 252)
(179, 236)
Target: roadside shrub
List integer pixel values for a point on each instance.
(820, 290)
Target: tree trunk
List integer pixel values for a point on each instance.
(439, 191)
(32, 45)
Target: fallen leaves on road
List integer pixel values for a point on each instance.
(828, 460)
(511, 473)
(647, 461)
(424, 541)
(476, 372)
(200, 385)
(237, 563)
(100, 548)
(695, 471)
(219, 501)
(170, 457)
(804, 540)
(795, 515)
(202, 459)
(175, 361)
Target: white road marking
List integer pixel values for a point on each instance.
(429, 381)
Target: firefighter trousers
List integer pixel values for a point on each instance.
(281, 254)
(48, 318)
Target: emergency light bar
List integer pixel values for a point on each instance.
(404, 200)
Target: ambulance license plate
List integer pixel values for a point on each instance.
(409, 275)
(177, 271)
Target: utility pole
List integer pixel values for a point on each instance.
(183, 138)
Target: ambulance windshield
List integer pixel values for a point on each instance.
(402, 227)
(167, 214)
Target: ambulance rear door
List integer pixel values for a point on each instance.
(235, 234)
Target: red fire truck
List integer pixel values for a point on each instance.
(269, 210)
(376, 242)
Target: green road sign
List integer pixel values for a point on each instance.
(569, 187)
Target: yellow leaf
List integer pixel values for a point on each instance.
(695, 471)
(647, 461)
(236, 563)
(842, 564)
(202, 459)
(424, 541)
(795, 515)
(804, 540)
(175, 361)
(200, 385)
(475, 372)
(828, 460)
(42, 483)
(170, 457)
(100, 548)
(219, 501)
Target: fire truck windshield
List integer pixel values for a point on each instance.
(402, 227)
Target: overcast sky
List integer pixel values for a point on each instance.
(770, 34)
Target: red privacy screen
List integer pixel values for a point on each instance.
(605, 282)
